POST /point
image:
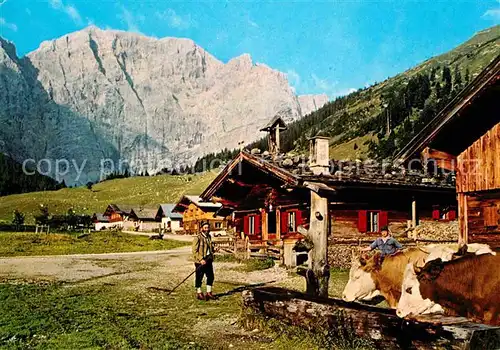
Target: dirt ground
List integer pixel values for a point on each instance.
(150, 274)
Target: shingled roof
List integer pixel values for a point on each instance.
(294, 171)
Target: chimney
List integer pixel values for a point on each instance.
(319, 157)
(273, 129)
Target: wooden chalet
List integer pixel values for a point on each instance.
(272, 194)
(465, 138)
(194, 210)
(118, 212)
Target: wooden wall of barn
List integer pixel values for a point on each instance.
(479, 165)
(478, 187)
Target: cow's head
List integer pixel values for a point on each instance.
(361, 285)
(412, 302)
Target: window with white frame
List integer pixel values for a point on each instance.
(373, 221)
(251, 225)
(292, 219)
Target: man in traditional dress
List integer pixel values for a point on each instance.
(203, 256)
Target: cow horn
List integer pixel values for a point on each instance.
(417, 269)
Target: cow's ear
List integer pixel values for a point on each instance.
(362, 260)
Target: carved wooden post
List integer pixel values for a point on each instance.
(317, 281)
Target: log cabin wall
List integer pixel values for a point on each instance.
(478, 187)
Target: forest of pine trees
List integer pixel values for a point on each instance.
(13, 180)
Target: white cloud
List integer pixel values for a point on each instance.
(5, 24)
(70, 10)
(130, 20)
(323, 84)
(493, 14)
(175, 20)
(343, 92)
(252, 23)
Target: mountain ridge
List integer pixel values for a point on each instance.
(100, 95)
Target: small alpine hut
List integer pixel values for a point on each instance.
(194, 210)
(118, 213)
(465, 138)
(271, 195)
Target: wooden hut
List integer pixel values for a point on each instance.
(194, 210)
(272, 195)
(465, 138)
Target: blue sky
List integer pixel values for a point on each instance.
(329, 47)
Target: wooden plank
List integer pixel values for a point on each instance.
(461, 218)
(496, 136)
(381, 326)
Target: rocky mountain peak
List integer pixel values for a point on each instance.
(110, 97)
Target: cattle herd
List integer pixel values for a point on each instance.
(448, 279)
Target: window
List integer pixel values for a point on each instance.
(251, 225)
(292, 220)
(218, 225)
(372, 221)
(443, 213)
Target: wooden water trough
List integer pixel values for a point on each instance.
(382, 326)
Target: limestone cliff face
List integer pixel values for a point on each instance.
(99, 95)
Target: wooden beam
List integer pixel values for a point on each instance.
(318, 233)
(444, 160)
(265, 234)
(239, 182)
(414, 213)
(380, 326)
(278, 223)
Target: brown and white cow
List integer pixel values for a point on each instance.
(466, 287)
(369, 278)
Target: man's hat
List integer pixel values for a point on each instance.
(203, 223)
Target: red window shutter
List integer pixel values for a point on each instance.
(284, 222)
(258, 226)
(384, 219)
(435, 214)
(362, 222)
(246, 224)
(452, 215)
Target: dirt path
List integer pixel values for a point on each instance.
(155, 268)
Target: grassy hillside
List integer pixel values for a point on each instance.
(141, 190)
(403, 104)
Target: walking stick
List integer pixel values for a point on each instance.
(184, 280)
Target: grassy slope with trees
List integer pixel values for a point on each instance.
(357, 124)
(140, 190)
